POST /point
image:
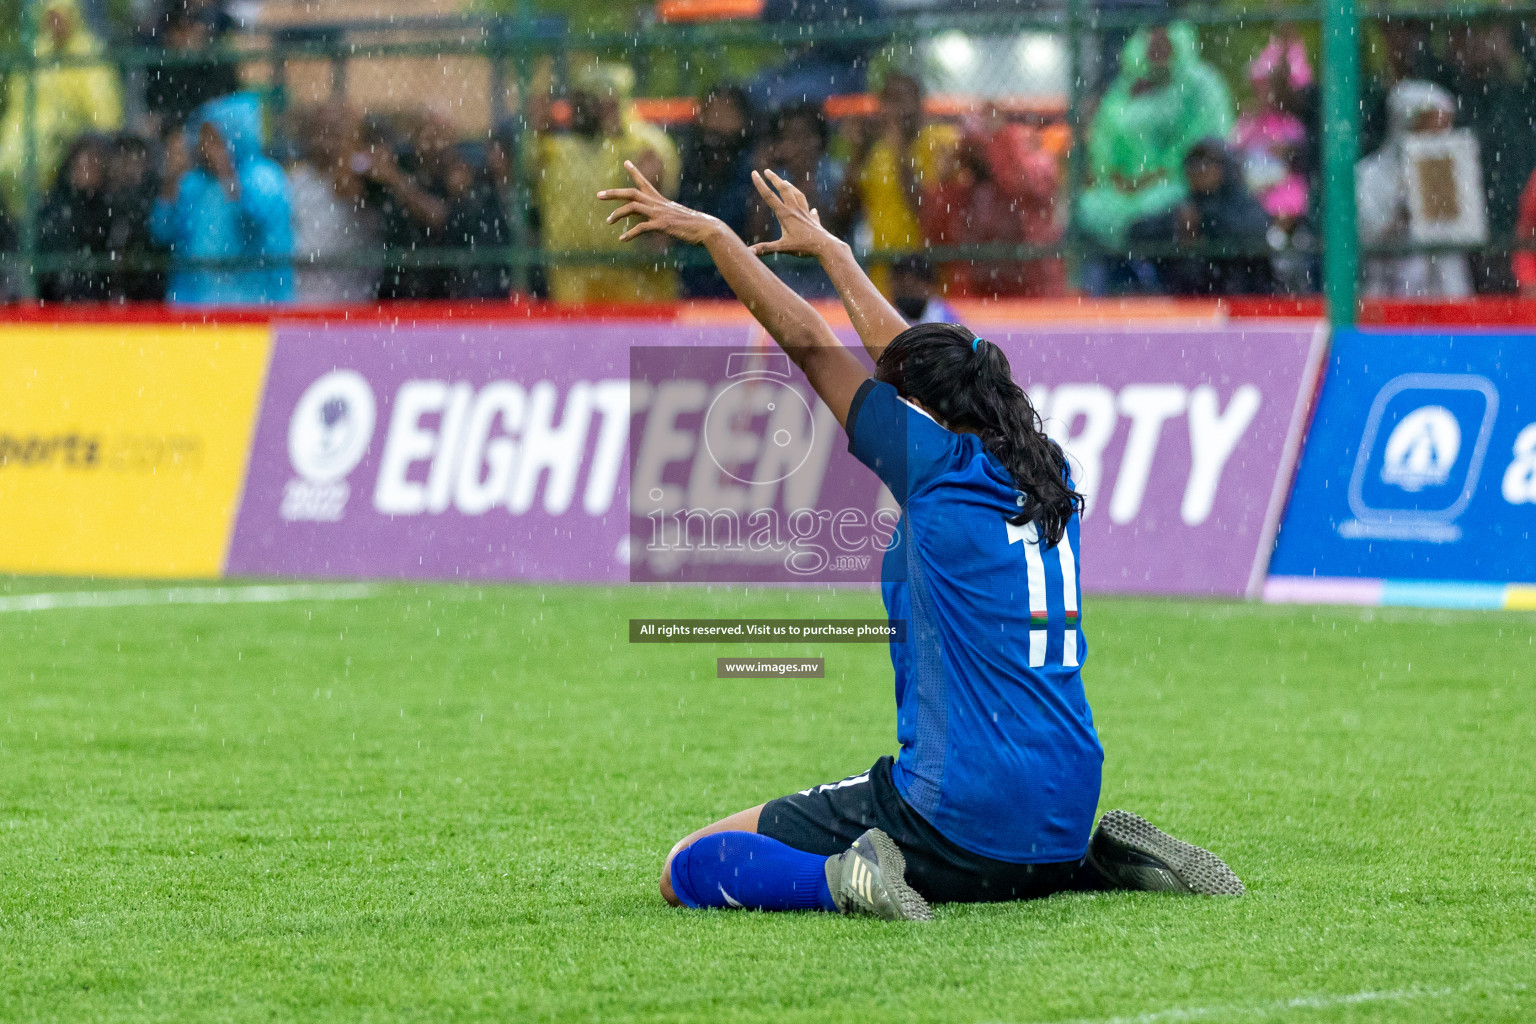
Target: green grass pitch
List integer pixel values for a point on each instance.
(451, 804)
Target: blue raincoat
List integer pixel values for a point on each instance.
(204, 223)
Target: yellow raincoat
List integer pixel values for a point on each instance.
(70, 100)
(571, 170)
(893, 223)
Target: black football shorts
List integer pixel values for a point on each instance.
(827, 819)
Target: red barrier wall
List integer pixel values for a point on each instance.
(1502, 311)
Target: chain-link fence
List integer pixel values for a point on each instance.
(995, 151)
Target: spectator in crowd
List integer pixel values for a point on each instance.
(1102, 66)
(505, 168)
(411, 191)
(501, 150)
(189, 33)
(1163, 101)
(99, 209)
(431, 199)
(915, 293)
(332, 221)
(15, 279)
(894, 159)
(1496, 101)
(572, 166)
(1220, 213)
(816, 71)
(131, 188)
(1399, 50)
(224, 202)
(717, 177)
(68, 100)
(1278, 143)
(75, 222)
(477, 222)
(1271, 139)
(797, 152)
(1524, 259)
(1381, 202)
(1003, 191)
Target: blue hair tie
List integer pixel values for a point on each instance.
(975, 342)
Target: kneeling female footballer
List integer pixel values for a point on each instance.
(994, 792)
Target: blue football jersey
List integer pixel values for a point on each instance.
(998, 749)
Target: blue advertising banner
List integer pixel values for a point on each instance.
(1420, 466)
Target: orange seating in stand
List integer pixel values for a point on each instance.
(679, 11)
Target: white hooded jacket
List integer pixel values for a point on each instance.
(1381, 208)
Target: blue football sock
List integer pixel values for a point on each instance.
(744, 869)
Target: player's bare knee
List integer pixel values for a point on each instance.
(666, 871)
(666, 879)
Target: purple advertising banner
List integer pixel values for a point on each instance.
(740, 474)
(1183, 440)
(504, 451)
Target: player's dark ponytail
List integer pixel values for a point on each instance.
(967, 384)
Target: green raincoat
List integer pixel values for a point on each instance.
(1143, 139)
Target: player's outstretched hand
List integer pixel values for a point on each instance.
(800, 229)
(657, 212)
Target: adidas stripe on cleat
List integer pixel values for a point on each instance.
(1135, 854)
(869, 878)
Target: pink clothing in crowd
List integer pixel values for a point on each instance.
(1265, 142)
(1288, 53)
(1268, 139)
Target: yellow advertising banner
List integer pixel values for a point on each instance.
(123, 448)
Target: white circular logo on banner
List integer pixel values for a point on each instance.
(331, 427)
(1422, 449)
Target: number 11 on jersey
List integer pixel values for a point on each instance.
(1039, 615)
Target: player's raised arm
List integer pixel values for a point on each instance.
(873, 316)
(833, 371)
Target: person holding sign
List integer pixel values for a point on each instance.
(1423, 188)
